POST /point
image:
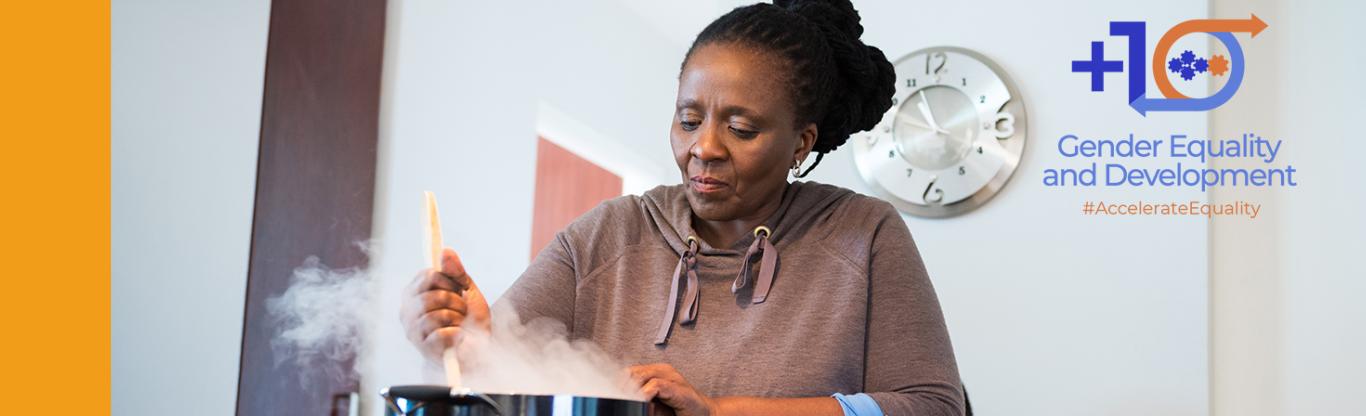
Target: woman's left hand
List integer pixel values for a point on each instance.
(663, 382)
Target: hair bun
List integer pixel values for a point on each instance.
(866, 78)
(838, 14)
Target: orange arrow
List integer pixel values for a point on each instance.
(1251, 25)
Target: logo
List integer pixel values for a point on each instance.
(1185, 65)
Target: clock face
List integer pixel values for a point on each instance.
(952, 138)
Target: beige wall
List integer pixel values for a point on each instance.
(1287, 324)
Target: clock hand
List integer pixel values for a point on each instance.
(925, 112)
(912, 121)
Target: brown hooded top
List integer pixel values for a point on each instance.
(849, 306)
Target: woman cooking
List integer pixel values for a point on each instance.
(741, 293)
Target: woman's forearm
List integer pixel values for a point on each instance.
(761, 406)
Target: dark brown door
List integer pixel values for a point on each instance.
(315, 183)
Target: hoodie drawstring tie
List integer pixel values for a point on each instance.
(687, 267)
(767, 264)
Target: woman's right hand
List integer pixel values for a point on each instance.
(436, 304)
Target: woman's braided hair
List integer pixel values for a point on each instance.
(835, 80)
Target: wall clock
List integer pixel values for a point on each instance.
(952, 138)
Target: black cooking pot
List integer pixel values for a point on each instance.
(444, 401)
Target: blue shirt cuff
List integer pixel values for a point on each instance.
(858, 404)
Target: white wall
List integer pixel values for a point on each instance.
(1289, 325)
(186, 108)
(1051, 312)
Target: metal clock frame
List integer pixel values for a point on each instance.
(1014, 145)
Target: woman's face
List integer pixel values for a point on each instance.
(735, 132)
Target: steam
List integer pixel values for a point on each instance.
(322, 318)
(325, 315)
(537, 357)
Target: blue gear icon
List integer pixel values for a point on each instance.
(1174, 65)
(1187, 64)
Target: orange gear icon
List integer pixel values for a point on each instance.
(1218, 65)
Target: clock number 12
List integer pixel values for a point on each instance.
(943, 59)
